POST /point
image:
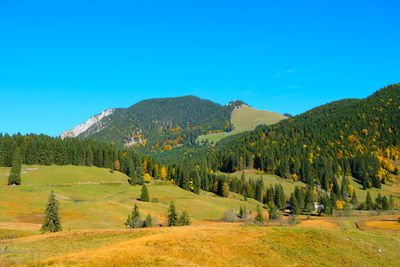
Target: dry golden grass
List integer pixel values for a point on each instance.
(20, 226)
(386, 225)
(233, 245)
(319, 222)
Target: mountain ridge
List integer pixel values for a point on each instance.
(158, 123)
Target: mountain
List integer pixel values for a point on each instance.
(351, 137)
(163, 123)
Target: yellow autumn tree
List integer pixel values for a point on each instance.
(147, 177)
(164, 173)
(145, 166)
(339, 205)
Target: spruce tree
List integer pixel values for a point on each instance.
(15, 173)
(368, 202)
(196, 183)
(139, 175)
(52, 221)
(294, 203)
(145, 194)
(184, 219)
(273, 213)
(299, 196)
(391, 202)
(172, 215)
(378, 201)
(385, 203)
(354, 199)
(134, 220)
(259, 216)
(148, 222)
(243, 212)
(344, 188)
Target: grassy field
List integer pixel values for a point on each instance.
(92, 197)
(216, 244)
(94, 204)
(245, 119)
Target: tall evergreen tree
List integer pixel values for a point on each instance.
(299, 196)
(385, 203)
(184, 219)
(294, 203)
(134, 220)
(144, 196)
(259, 216)
(15, 173)
(354, 199)
(258, 190)
(344, 188)
(368, 202)
(243, 212)
(196, 182)
(52, 222)
(391, 202)
(172, 215)
(148, 222)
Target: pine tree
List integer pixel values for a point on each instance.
(243, 212)
(354, 199)
(196, 183)
(259, 216)
(385, 203)
(391, 202)
(148, 222)
(52, 221)
(344, 188)
(184, 219)
(273, 213)
(134, 220)
(378, 201)
(299, 196)
(144, 196)
(15, 172)
(139, 175)
(294, 203)
(368, 202)
(172, 215)
(258, 190)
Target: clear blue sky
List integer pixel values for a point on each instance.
(63, 61)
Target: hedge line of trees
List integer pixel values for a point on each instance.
(44, 150)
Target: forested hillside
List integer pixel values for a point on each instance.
(161, 124)
(351, 137)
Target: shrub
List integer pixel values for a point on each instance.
(229, 216)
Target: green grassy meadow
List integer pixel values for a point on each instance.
(92, 197)
(245, 119)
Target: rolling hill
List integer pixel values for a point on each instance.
(92, 197)
(244, 118)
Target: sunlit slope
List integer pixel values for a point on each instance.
(93, 197)
(208, 245)
(245, 118)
